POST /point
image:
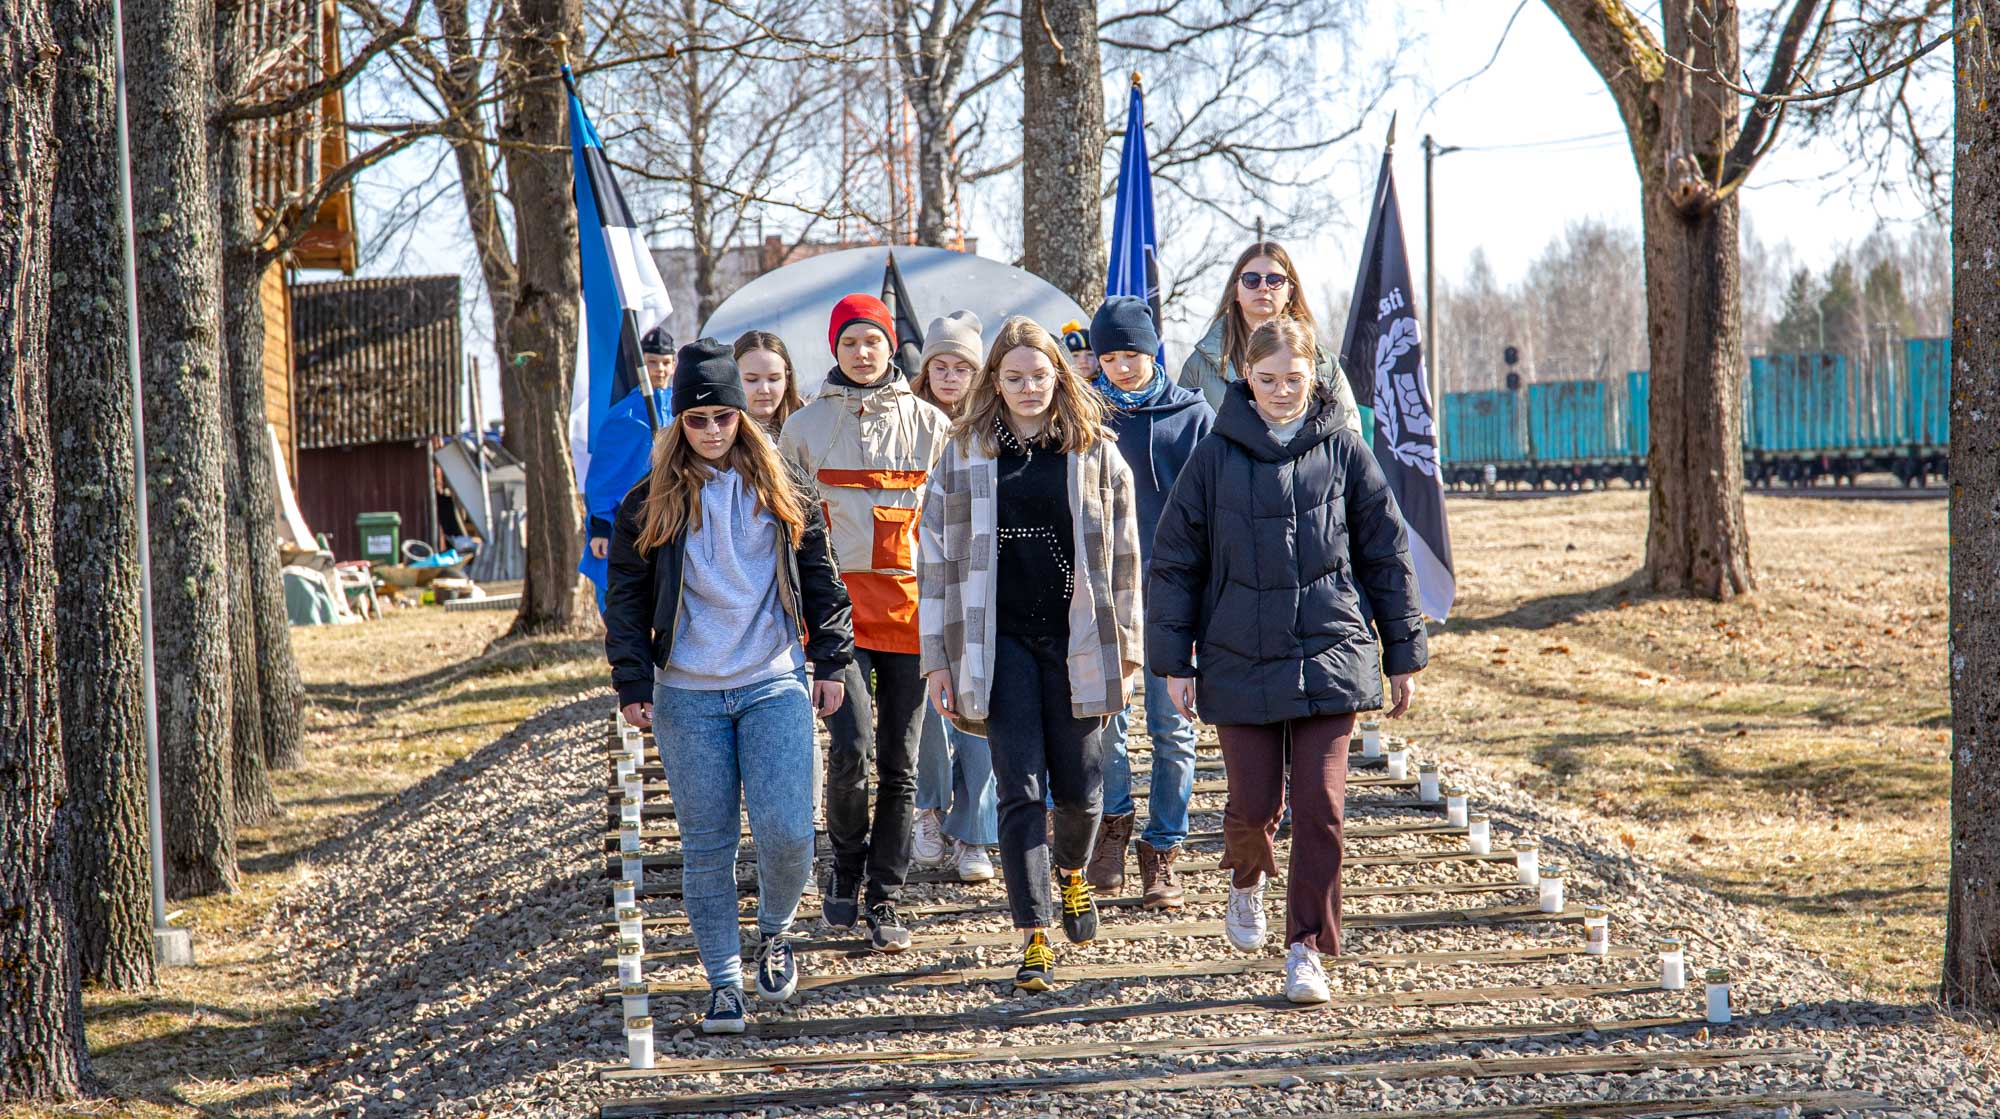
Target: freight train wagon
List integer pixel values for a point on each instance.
(1806, 417)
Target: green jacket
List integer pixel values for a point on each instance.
(1204, 372)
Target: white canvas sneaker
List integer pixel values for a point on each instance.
(929, 848)
(974, 864)
(1243, 919)
(1305, 975)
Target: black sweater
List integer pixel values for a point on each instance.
(1035, 573)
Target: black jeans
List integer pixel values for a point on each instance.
(881, 724)
(1032, 734)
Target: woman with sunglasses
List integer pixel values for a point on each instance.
(722, 588)
(1262, 287)
(1028, 607)
(957, 813)
(769, 382)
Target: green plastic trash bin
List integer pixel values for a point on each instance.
(381, 536)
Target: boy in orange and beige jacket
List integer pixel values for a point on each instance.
(869, 443)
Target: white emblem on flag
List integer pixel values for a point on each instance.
(1399, 399)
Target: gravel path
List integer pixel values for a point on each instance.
(457, 943)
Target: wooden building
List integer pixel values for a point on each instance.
(378, 371)
(295, 42)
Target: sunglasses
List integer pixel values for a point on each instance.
(1272, 280)
(703, 423)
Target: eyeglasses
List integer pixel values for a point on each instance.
(1013, 382)
(723, 421)
(1272, 280)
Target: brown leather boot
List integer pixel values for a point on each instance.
(1157, 878)
(1106, 872)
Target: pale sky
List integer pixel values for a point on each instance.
(1542, 143)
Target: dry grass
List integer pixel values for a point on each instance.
(390, 703)
(1788, 751)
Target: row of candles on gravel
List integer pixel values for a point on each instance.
(1394, 753)
(632, 995)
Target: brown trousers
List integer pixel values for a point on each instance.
(1255, 758)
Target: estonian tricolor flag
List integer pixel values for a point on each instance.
(1383, 351)
(623, 295)
(1135, 249)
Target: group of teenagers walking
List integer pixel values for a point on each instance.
(970, 574)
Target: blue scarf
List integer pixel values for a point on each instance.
(1126, 401)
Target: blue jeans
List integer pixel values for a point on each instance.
(1173, 767)
(955, 771)
(716, 747)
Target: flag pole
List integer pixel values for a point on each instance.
(172, 947)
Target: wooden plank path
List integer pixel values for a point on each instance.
(1257, 965)
(1112, 932)
(937, 962)
(1098, 1082)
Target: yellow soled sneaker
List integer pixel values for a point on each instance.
(1038, 964)
(1079, 909)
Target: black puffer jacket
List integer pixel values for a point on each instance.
(1252, 579)
(642, 602)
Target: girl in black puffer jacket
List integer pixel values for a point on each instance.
(1278, 530)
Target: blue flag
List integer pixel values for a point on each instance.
(1384, 355)
(612, 417)
(1135, 261)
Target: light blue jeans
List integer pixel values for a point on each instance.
(716, 747)
(1173, 767)
(955, 772)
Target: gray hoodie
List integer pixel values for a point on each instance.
(733, 630)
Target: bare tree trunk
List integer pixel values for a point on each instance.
(701, 219)
(1696, 539)
(97, 617)
(41, 1002)
(933, 183)
(278, 707)
(172, 81)
(541, 332)
(1062, 162)
(1685, 138)
(462, 90)
(1972, 916)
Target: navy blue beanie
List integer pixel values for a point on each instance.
(1124, 322)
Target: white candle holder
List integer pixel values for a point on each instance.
(1552, 889)
(634, 787)
(1527, 861)
(1397, 758)
(1479, 833)
(1371, 739)
(631, 962)
(1427, 782)
(628, 836)
(624, 895)
(628, 812)
(633, 996)
(1596, 930)
(1673, 964)
(626, 767)
(639, 1042)
(631, 925)
(633, 869)
(1455, 811)
(1718, 995)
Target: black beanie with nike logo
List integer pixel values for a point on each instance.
(705, 376)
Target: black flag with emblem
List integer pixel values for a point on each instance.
(909, 334)
(1384, 349)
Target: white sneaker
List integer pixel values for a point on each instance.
(929, 846)
(1305, 976)
(974, 864)
(1243, 920)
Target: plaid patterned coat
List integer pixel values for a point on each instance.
(956, 592)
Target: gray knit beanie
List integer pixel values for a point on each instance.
(956, 333)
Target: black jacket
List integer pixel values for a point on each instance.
(1261, 563)
(642, 603)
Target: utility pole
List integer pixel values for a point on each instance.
(1432, 150)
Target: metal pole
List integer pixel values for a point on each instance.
(171, 946)
(1431, 352)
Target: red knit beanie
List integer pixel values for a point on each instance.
(859, 308)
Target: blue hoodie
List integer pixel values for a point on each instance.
(620, 459)
(1156, 439)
